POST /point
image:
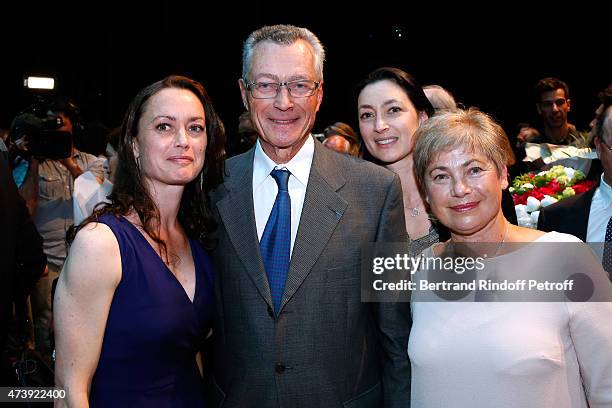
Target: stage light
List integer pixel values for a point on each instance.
(34, 82)
(397, 32)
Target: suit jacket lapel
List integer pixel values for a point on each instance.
(322, 210)
(237, 214)
(582, 212)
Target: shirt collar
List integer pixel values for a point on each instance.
(299, 165)
(605, 192)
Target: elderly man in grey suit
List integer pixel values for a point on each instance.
(291, 329)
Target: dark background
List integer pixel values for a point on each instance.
(489, 56)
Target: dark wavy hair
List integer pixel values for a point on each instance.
(550, 84)
(130, 193)
(407, 82)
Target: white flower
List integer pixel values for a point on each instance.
(527, 185)
(570, 172)
(532, 204)
(525, 222)
(547, 200)
(524, 218)
(521, 210)
(511, 189)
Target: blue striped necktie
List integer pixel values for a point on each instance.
(275, 243)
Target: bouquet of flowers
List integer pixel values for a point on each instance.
(532, 191)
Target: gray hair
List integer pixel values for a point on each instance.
(284, 35)
(469, 129)
(604, 125)
(440, 98)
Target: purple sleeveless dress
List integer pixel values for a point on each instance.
(153, 330)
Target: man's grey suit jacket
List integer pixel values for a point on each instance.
(324, 348)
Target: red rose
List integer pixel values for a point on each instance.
(536, 193)
(554, 186)
(519, 199)
(547, 191)
(583, 186)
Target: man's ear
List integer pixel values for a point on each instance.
(598, 146)
(244, 93)
(569, 105)
(319, 96)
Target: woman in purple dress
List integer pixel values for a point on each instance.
(134, 299)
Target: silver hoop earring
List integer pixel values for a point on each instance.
(138, 163)
(202, 181)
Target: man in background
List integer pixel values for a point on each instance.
(553, 105)
(22, 260)
(341, 138)
(47, 191)
(588, 215)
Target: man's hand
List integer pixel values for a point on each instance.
(526, 134)
(72, 167)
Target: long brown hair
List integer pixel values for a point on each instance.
(129, 191)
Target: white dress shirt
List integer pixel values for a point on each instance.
(601, 211)
(265, 188)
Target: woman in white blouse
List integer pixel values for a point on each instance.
(502, 354)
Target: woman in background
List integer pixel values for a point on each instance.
(391, 106)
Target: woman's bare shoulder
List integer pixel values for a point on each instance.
(94, 256)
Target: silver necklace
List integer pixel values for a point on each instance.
(452, 243)
(503, 239)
